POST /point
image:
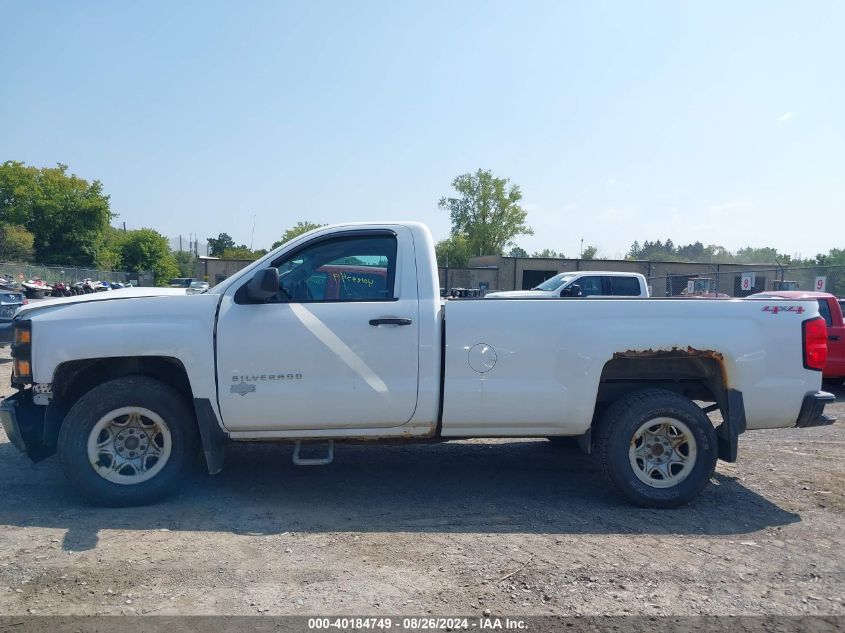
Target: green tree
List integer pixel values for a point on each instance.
(241, 252)
(187, 263)
(218, 245)
(767, 255)
(517, 251)
(549, 253)
(298, 229)
(110, 253)
(15, 243)
(835, 257)
(486, 211)
(67, 215)
(146, 249)
(589, 252)
(453, 251)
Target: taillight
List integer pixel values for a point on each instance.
(815, 343)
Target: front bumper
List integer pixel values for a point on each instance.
(812, 410)
(26, 425)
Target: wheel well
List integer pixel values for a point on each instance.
(75, 378)
(696, 374)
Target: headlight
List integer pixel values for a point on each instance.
(22, 353)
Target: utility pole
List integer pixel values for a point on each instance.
(252, 239)
(582, 249)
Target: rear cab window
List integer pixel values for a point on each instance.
(625, 286)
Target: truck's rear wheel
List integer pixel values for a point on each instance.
(656, 448)
(127, 441)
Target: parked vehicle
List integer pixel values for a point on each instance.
(9, 284)
(830, 308)
(703, 288)
(36, 288)
(182, 282)
(60, 289)
(583, 284)
(126, 390)
(9, 304)
(198, 287)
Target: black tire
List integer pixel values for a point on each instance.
(139, 391)
(616, 431)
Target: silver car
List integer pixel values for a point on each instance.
(197, 287)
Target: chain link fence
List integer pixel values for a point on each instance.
(713, 281)
(52, 274)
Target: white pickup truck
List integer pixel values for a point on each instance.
(341, 334)
(592, 283)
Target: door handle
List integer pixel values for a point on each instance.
(390, 321)
(833, 337)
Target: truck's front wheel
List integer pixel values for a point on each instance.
(127, 441)
(657, 448)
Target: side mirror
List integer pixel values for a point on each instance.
(571, 291)
(264, 284)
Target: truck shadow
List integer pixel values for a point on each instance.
(526, 486)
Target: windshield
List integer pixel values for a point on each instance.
(555, 282)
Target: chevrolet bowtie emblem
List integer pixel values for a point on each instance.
(242, 388)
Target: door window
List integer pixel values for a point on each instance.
(342, 269)
(589, 285)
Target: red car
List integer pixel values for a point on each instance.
(830, 309)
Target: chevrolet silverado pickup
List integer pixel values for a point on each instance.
(340, 334)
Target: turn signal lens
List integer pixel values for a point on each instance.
(815, 343)
(23, 369)
(22, 336)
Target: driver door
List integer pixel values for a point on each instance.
(336, 348)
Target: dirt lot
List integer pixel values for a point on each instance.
(434, 529)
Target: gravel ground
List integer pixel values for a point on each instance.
(518, 527)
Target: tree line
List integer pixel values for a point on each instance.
(49, 215)
(54, 217)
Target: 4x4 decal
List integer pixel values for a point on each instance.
(778, 309)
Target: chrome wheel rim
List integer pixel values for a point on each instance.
(662, 452)
(129, 445)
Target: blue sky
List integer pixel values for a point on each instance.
(714, 121)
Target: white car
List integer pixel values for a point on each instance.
(590, 283)
(197, 287)
(340, 334)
